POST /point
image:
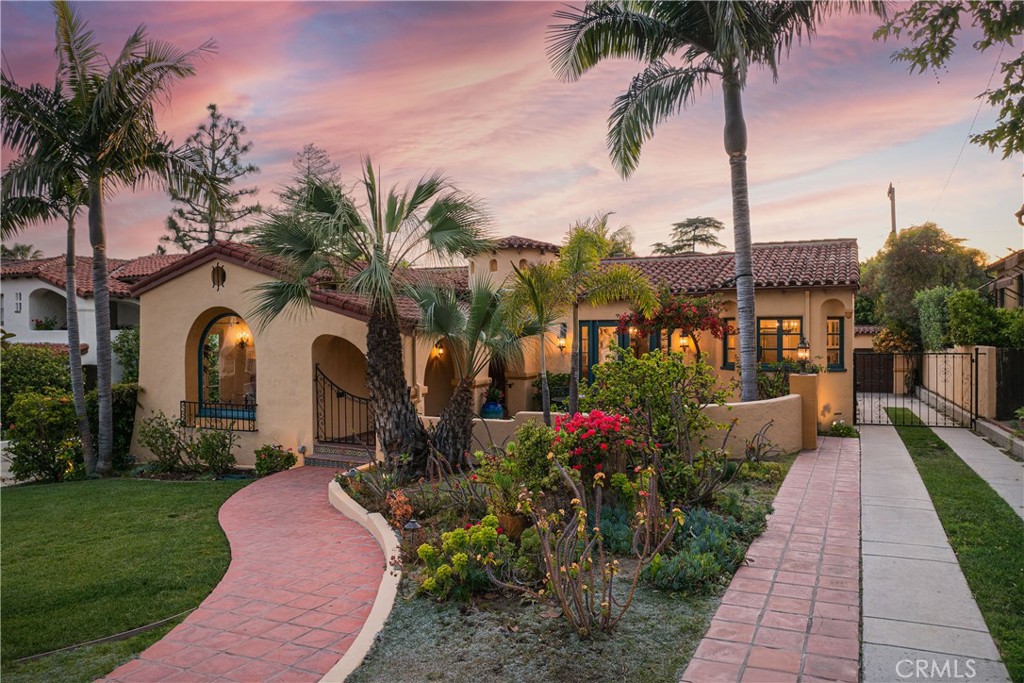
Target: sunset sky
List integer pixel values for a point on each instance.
(466, 87)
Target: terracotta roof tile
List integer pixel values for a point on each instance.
(52, 271)
(817, 263)
(141, 267)
(867, 329)
(516, 242)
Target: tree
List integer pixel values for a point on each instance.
(585, 280)
(312, 162)
(538, 289)
(620, 242)
(202, 219)
(361, 250)
(688, 234)
(685, 45)
(690, 315)
(108, 139)
(920, 258)
(933, 27)
(19, 252)
(933, 316)
(478, 330)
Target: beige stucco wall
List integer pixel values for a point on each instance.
(503, 260)
(172, 317)
(948, 376)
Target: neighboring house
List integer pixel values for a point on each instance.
(33, 306)
(864, 337)
(1007, 284)
(301, 381)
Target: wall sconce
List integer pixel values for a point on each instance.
(632, 332)
(439, 349)
(561, 337)
(803, 354)
(685, 342)
(243, 339)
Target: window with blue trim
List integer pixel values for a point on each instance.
(728, 344)
(835, 343)
(227, 369)
(778, 339)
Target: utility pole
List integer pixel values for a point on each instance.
(892, 206)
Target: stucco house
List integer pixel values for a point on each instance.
(1007, 284)
(33, 303)
(300, 382)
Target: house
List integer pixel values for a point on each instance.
(33, 304)
(1007, 280)
(301, 381)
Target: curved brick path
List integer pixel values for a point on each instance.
(301, 583)
(793, 612)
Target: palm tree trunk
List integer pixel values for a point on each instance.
(75, 351)
(545, 393)
(101, 299)
(400, 431)
(454, 433)
(574, 362)
(736, 148)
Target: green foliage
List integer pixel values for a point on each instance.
(973, 320)
(272, 459)
(558, 388)
(124, 400)
(181, 449)
(696, 481)
(769, 472)
(31, 368)
(1011, 322)
(933, 316)
(126, 350)
(528, 462)
(864, 310)
(670, 391)
(841, 429)
(616, 531)
(457, 568)
(920, 258)
(44, 436)
(893, 339)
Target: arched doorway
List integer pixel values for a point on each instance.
(342, 408)
(220, 370)
(439, 378)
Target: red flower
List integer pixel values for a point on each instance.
(629, 442)
(604, 447)
(598, 467)
(472, 477)
(577, 467)
(468, 527)
(500, 530)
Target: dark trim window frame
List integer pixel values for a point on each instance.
(728, 344)
(835, 341)
(780, 347)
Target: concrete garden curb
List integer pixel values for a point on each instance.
(386, 593)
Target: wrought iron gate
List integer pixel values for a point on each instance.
(940, 389)
(341, 417)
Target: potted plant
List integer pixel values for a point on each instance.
(492, 408)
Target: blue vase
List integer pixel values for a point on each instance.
(492, 411)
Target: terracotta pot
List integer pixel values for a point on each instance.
(513, 524)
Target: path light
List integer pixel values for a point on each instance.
(412, 529)
(803, 354)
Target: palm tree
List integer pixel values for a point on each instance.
(585, 280)
(364, 251)
(538, 289)
(20, 252)
(109, 138)
(481, 329)
(61, 197)
(685, 45)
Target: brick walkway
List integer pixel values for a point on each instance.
(793, 612)
(302, 581)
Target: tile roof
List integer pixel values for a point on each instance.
(871, 330)
(141, 267)
(516, 242)
(814, 263)
(51, 271)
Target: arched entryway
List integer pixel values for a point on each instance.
(439, 378)
(342, 408)
(220, 372)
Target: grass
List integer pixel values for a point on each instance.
(500, 639)
(984, 532)
(85, 560)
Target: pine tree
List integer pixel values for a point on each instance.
(686, 235)
(218, 147)
(311, 163)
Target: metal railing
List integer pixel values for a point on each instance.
(342, 417)
(237, 417)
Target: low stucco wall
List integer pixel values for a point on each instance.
(488, 433)
(784, 413)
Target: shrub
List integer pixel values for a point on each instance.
(840, 428)
(180, 449)
(771, 472)
(273, 459)
(933, 313)
(558, 389)
(126, 349)
(528, 462)
(124, 399)
(595, 441)
(973, 321)
(458, 567)
(1011, 321)
(31, 368)
(44, 436)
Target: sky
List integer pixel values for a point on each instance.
(466, 87)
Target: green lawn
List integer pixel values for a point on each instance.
(84, 560)
(984, 531)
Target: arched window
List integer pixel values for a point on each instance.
(226, 364)
(494, 265)
(522, 263)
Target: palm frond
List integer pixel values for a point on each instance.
(272, 298)
(78, 52)
(620, 282)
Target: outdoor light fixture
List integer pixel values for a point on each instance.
(439, 349)
(412, 530)
(561, 338)
(685, 341)
(243, 339)
(803, 354)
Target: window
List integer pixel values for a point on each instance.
(494, 265)
(17, 302)
(522, 263)
(596, 337)
(728, 344)
(778, 339)
(834, 343)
